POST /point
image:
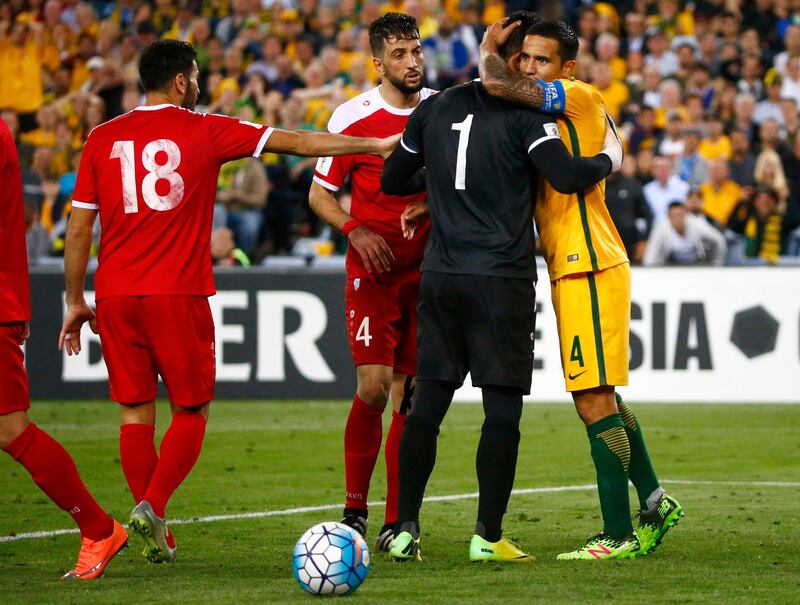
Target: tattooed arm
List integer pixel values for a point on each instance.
(497, 78)
(499, 81)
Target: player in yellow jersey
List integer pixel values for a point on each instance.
(590, 280)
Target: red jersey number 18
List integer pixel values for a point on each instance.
(125, 152)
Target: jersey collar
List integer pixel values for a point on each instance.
(153, 107)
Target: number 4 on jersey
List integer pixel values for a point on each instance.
(363, 332)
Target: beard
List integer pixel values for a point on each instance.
(190, 100)
(400, 84)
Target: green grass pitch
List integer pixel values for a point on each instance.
(739, 541)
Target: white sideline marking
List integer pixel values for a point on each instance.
(449, 498)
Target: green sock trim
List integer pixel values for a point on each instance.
(641, 471)
(604, 424)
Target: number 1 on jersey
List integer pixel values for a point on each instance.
(461, 155)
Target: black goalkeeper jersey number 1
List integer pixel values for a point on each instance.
(480, 180)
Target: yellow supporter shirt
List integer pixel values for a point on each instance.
(21, 76)
(615, 97)
(619, 68)
(719, 203)
(576, 232)
(710, 150)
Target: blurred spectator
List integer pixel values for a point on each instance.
(688, 164)
(24, 150)
(683, 239)
(607, 50)
(742, 163)
(672, 143)
(670, 103)
(266, 65)
(744, 106)
(720, 194)
(645, 135)
(651, 92)
(664, 188)
(470, 32)
(242, 195)
(750, 78)
(716, 144)
(765, 229)
(694, 205)
(790, 88)
(447, 60)
(21, 69)
(769, 173)
(614, 92)
(628, 208)
(224, 251)
(791, 42)
(659, 54)
(770, 107)
(790, 120)
(635, 26)
(36, 236)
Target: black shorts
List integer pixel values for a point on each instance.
(478, 324)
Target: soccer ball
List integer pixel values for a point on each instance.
(330, 558)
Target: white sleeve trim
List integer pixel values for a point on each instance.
(325, 184)
(263, 141)
(85, 205)
(406, 147)
(538, 142)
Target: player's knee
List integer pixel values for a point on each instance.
(502, 406)
(12, 426)
(594, 404)
(374, 392)
(201, 410)
(421, 423)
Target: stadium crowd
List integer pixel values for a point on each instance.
(706, 95)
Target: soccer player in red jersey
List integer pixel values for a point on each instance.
(49, 464)
(152, 175)
(382, 266)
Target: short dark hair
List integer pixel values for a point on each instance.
(560, 32)
(676, 204)
(514, 43)
(390, 26)
(162, 61)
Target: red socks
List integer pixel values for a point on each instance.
(180, 449)
(138, 456)
(392, 455)
(362, 443)
(54, 471)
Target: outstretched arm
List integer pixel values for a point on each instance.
(323, 144)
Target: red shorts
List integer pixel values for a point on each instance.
(382, 323)
(14, 394)
(147, 336)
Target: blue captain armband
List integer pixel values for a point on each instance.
(555, 99)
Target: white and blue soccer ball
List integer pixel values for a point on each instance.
(330, 558)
